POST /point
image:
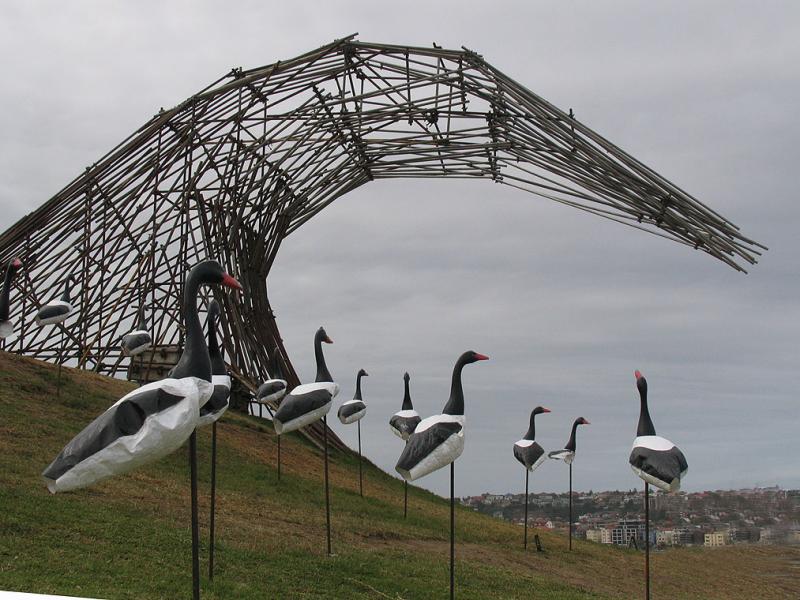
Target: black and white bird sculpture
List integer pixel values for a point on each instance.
(56, 311)
(653, 458)
(308, 403)
(273, 389)
(567, 454)
(528, 452)
(404, 422)
(353, 411)
(311, 401)
(152, 421)
(6, 325)
(210, 413)
(657, 461)
(138, 340)
(439, 441)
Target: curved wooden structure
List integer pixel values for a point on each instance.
(233, 170)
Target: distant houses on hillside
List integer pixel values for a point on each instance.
(712, 519)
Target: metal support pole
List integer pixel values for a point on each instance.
(405, 499)
(327, 493)
(195, 527)
(213, 499)
(60, 360)
(360, 479)
(279, 458)
(452, 531)
(570, 506)
(646, 541)
(525, 539)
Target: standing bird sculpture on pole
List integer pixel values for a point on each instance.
(273, 390)
(567, 454)
(657, 461)
(403, 424)
(6, 324)
(438, 441)
(353, 411)
(138, 340)
(56, 312)
(530, 454)
(308, 403)
(152, 421)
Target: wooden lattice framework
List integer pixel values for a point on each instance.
(233, 170)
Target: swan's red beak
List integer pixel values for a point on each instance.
(544, 410)
(585, 422)
(481, 356)
(16, 263)
(327, 340)
(638, 375)
(230, 282)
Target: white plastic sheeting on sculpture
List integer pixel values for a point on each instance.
(306, 404)
(131, 433)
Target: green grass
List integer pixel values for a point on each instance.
(129, 537)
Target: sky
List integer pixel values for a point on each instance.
(407, 274)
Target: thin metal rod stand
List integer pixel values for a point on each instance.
(452, 531)
(327, 493)
(213, 499)
(360, 479)
(405, 499)
(525, 539)
(279, 458)
(646, 541)
(195, 526)
(60, 360)
(570, 506)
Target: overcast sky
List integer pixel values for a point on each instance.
(405, 275)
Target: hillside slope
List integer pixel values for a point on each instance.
(130, 537)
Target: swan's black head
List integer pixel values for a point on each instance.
(582, 421)
(362, 373)
(322, 336)
(470, 356)
(211, 272)
(406, 377)
(14, 265)
(540, 409)
(641, 383)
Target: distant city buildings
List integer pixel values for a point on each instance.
(712, 519)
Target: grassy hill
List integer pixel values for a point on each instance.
(130, 537)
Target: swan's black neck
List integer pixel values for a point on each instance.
(455, 405)
(141, 324)
(571, 443)
(322, 369)
(65, 295)
(214, 351)
(645, 422)
(357, 395)
(277, 371)
(194, 361)
(5, 294)
(407, 396)
(531, 433)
